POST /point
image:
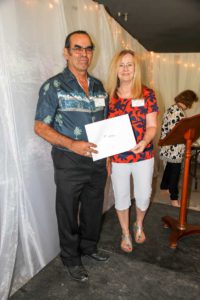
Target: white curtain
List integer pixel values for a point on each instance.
(171, 74)
(174, 73)
(32, 34)
(31, 41)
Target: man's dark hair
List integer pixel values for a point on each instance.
(67, 41)
(187, 98)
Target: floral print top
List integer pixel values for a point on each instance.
(64, 105)
(119, 106)
(172, 153)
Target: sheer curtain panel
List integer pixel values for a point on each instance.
(31, 42)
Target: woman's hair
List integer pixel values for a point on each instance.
(187, 98)
(113, 80)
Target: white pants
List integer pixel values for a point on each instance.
(142, 173)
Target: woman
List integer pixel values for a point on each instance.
(129, 96)
(173, 155)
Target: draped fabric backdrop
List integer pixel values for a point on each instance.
(171, 74)
(32, 34)
(31, 42)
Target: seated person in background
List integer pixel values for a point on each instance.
(129, 96)
(173, 155)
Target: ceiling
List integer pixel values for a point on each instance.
(160, 26)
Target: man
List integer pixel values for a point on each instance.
(66, 103)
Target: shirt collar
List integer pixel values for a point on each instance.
(69, 76)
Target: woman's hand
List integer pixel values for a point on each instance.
(139, 147)
(109, 166)
(151, 126)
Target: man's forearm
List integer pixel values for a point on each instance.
(51, 135)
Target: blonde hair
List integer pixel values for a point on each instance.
(113, 81)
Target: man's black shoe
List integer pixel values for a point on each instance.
(78, 273)
(99, 256)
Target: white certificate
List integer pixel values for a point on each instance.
(112, 136)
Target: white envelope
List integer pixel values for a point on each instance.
(112, 136)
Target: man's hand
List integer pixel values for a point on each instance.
(55, 138)
(83, 148)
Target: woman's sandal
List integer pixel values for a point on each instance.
(126, 243)
(139, 234)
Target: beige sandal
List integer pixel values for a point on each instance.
(126, 243)
(139, 234)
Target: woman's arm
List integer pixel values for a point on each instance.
(151, 127)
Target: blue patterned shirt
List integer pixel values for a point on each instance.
(64, 105)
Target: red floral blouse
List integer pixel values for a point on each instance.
(119, 106)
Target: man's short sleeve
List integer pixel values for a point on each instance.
(47, 104)
(106, 107)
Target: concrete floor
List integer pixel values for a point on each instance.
(153, 271)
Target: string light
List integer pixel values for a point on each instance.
(91, 7)
(178, 62)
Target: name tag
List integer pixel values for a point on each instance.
(99, 102)
(137, 102)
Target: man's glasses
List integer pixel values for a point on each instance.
(79, 50)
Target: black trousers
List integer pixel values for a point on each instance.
(80, 184)
(170, 179)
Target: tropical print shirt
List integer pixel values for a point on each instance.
(64, 105)
(172, 153)
(137, 114)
